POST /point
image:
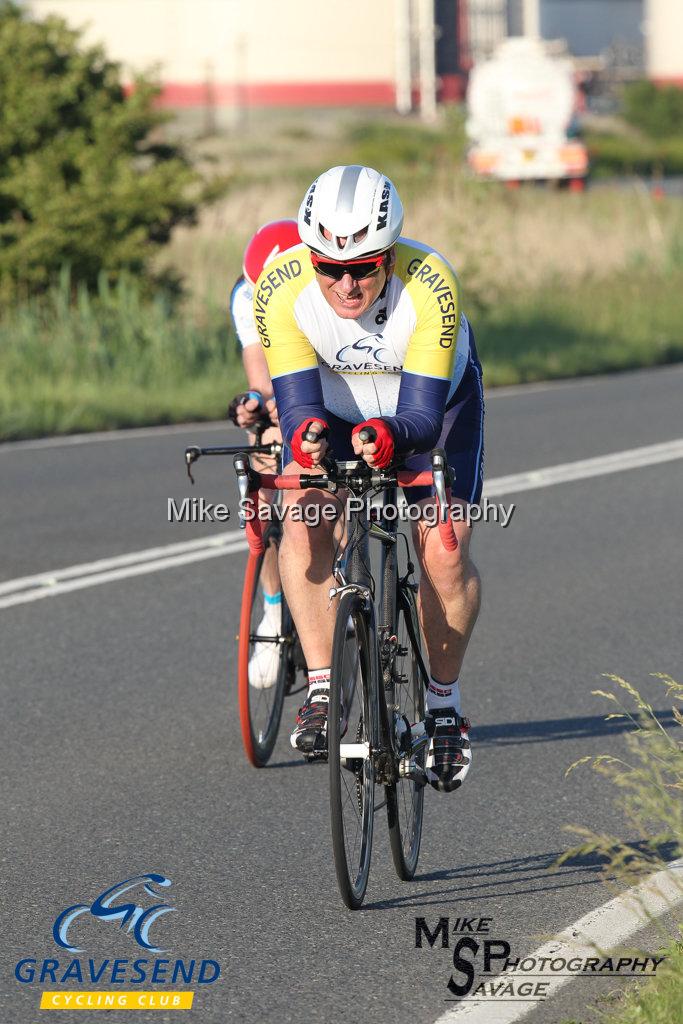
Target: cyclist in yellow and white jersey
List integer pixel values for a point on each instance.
(362, 327)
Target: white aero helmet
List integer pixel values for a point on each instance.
(355, 204)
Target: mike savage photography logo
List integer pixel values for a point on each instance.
(134, 906)
(483, 967)
(199, 510)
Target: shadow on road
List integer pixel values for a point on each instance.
(503, 879)
(551, 729)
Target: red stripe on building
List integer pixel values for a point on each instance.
(669, 80)
(277, 94)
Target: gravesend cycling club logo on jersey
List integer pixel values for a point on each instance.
(137, 908)
(364, 355)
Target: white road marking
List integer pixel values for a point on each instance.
(89, 574)
(601, 465)
(117, 561)
(603, 929)
(106, 570)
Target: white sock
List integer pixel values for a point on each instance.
(443, 695)
(272, 603)
(318, 679)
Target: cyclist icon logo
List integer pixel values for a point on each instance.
(138, 919)
(363, 345)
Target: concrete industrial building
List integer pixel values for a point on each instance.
(232, 53)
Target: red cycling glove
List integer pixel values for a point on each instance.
(303, 458)
(384, 442)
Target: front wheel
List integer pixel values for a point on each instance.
(405, 798)
(264, 659)
(352, 735)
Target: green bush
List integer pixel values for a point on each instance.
(400, 145)
(656, 110)
(81, 182)
(621, 154)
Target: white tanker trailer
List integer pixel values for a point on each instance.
(520, 104)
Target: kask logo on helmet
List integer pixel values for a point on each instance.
(309, 203)
(384, 207)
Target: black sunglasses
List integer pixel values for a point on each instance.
(358, 269)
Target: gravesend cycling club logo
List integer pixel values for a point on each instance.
(484, 969)
(138, 907)
(363, 355)
(138, 919)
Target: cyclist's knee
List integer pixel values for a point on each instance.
(438, 562)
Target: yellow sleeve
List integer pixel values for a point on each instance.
(435, 293)
(286, 347)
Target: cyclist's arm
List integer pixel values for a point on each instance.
(253, 359)
(256, 370)
(428, 365)
(292, 362)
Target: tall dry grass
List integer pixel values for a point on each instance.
(500, 242)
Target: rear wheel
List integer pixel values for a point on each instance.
(352, 732)
(405, 799)
(265, 666)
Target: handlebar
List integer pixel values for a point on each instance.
(194, 451)
(360, 475)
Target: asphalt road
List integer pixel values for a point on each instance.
(121, 748)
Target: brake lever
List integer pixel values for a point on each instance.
(247, 482)
(442, 479)
(192, 453)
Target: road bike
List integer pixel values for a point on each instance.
(260, 706)
(377, 735)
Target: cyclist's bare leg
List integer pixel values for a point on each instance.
(306, 557)
(270, 576)
(449, 596)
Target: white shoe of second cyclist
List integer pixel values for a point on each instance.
(264, 663)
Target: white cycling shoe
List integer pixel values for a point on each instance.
(264, 663)
(450, 755)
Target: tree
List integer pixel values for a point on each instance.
(656, 110)
(81, 181)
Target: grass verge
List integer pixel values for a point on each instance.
(659, 1001)
(627, 321)
(649, 784)
(71, 364)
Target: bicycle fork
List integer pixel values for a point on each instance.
(411, 739)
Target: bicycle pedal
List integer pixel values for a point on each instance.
(315, 755)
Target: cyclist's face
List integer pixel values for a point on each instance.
(350, 298)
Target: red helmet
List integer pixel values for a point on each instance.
(268, 242)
